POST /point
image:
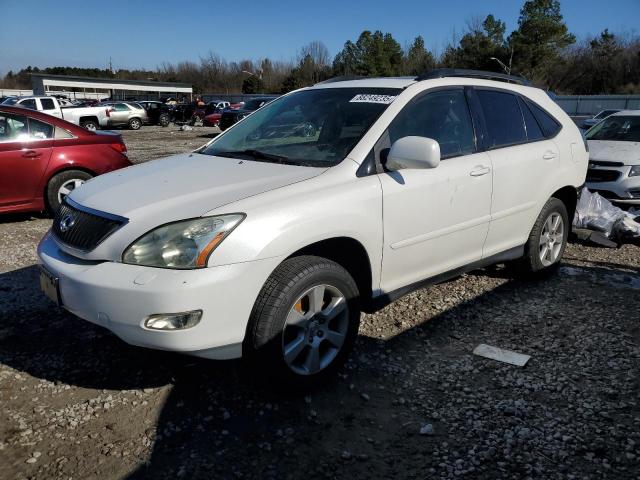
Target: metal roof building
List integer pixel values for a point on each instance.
(88, 87)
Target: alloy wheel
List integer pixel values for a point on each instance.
(551, 239)
(315, 329)
(67, 187)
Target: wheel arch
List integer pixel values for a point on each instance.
(348, 253)
(569, 196)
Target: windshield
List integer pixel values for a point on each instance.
(10, 101)
(253, 104)
(619, 128)
(316, 127)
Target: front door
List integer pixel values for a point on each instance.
(435, 220)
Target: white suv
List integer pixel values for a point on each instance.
(271, 239)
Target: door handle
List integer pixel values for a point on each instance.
(479, 171)
(31, 154)
(549, 155)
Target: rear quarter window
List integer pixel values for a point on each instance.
(550, 126)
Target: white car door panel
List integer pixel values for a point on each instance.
(435, 219)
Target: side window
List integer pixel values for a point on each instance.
(505, 125)
(120, 107)
(61, 133)
(534, 133)
(13, 128)
(443, 116)
(39, 130)
(550, 126)
(47, 104)
(29, 103)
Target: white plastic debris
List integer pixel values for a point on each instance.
(186, 128)
(501, 355)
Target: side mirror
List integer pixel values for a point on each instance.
(413, 152)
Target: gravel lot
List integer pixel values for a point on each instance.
(413, 402)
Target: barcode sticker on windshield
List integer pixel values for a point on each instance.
(370, 98)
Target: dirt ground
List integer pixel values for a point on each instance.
(412, 402)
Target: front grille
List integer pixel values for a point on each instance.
(606, 164)
(596, 175)
(83, 230)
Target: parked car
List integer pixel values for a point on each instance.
(157, 112)
(186, 112)
(125, 114)
(90, 118)
(215, 106)
(44, 158)
(614, 158)
(597, 118)
(231, 116)
(270, 249)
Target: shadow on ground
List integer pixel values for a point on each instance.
(217, 422)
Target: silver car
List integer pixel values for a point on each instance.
(124, 114)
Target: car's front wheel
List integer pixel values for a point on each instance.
(305, 321)
(547, 240)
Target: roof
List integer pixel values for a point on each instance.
(371, 82)
(79, 78)
(625, 113)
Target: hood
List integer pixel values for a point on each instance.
(614, 151)
(184, 186)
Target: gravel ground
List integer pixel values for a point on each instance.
(413, 402)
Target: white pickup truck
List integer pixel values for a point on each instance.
(90, 118)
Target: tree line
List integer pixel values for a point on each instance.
(541, 49)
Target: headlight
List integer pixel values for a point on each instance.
(635, 171)
(184, 244)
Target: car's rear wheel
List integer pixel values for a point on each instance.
(135, 124)
(90, 125)
(164, 120)
(547, 240)
(62, 185)
(304, 322)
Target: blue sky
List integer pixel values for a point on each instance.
(143, 34)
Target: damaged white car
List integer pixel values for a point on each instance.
(614, 158)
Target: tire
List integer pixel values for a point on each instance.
(135, 124)
(543, 250)
(163, 120)
(62, 184)
(283, 317)
(90, 125)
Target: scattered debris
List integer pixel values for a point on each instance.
(427, 429)
(594, 212)
(186, 128)
(501, 355)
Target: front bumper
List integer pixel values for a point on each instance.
(119, 297)
(624, 190)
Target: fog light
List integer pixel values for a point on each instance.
(173, 321)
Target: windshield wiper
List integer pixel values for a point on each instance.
(256, 155)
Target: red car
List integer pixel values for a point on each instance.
(212, 120)
(43, 158)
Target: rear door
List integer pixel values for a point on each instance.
(120, 114)
(25, 150)
(435, 220)
(523, 160)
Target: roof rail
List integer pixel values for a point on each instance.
(341, 78)
(456, 72)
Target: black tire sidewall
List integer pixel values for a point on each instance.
(263, 345)
(57, 181)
